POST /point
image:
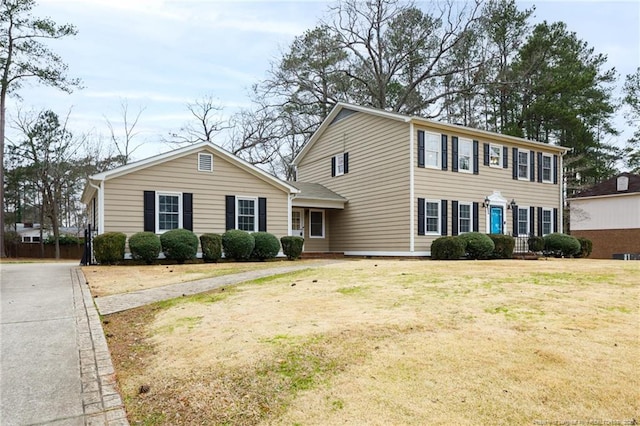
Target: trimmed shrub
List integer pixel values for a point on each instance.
(63, 240)
(477, 245)
(108, 248)
(504, 245)
(561, 245)
(238, 244)
(266, 246)
(179, 244)
(211, 247)
(145, 246)
(447, 248)
(292, 247)
(536, 244)
(586, 247)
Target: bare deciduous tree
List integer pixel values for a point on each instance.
(124, 142)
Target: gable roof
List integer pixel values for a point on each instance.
(90, 189)
(342, 107)
(610, 187)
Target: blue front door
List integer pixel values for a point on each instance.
(496, 220)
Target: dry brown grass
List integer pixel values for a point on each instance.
(391, 342)
(108, 280)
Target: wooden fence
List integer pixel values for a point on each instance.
(33, 250)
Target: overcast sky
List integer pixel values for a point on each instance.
(160, 55)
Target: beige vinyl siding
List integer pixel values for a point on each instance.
(317, 244)
(92, 214)
(468, 188)
(376, 217)
(124, 194)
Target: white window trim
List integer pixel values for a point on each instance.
(203, 154)
(550, 221)
(339, 160)
(438, 152)
(550, 157)
(460, 143)
(460, 204)
(527, 153)
(500, 154)
(323, 223)
(157, 214)
(439, 204)
(528, 209)
(255, 211)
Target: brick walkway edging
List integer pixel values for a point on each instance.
(102, 403)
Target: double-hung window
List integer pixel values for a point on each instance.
(169, 211)
(547, 221)
(547, 168)
(465, 152)
(495, 155)
(523, 164)
(432, 217)
(432, 147)
(464, 218)
(339, 164)
(523, 221)
(247, 219)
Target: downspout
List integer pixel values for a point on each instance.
(563, 191)
(289, 207)
(412, 201)
(100, 189)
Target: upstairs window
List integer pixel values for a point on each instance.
(465, 152)
(432, 150)
(547, 168)
(523, 165)
(340, 164)
(495, 155)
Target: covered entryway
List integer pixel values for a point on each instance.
(496, 218)
(312, 211)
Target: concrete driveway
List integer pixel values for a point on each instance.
(55, 366)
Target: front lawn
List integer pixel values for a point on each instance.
(391, 342)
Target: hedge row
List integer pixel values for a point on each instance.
(475, 245)
(182, 245)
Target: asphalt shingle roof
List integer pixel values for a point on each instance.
(610, 187)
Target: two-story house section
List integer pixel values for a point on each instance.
(405, 181)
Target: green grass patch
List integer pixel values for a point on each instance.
(622, 309)
(212, 296)
(351, 290)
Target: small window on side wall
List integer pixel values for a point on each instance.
(340, 164)
(316, 219)
(205, 162)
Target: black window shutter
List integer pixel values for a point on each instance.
(150, 211)
(476, 221)
(187, 211)
(420, 148)
(421, 218)
(445, 158)
(345, 157)
(539, 167)
(476, 167)
(532, 223)
(443, 224)
(540, 221)
(505, 159)
(515, 163)
(262, 214)
(555, 220)
(515, 221)
(333, 166)
(485, 147)
(532, 166)
(454, 153)
(454, 218)
(230, 212)
(555, 169)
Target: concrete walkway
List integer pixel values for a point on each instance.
(55, 365)
(121, 302)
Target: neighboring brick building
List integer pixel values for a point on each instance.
(609, 215)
